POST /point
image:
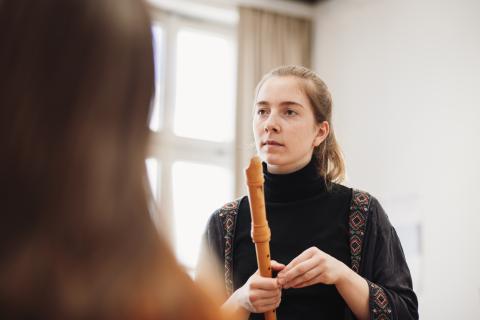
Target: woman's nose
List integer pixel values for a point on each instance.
(271, 125)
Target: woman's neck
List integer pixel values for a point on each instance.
(300, 184)
(289, 168)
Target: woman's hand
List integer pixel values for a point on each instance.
(260, 294)
(311, 267)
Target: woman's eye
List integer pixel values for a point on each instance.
(291, 112)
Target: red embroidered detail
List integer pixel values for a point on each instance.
(379, 304)
(227, 214)
(355, 245)
(357, 222)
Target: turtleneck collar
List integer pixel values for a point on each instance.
(299, 185)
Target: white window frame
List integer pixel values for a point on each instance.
(165, 146)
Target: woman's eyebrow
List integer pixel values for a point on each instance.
(262, 103)
(290, 103)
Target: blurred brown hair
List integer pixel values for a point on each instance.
(76, 82)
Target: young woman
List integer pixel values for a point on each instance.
(77, 241)
(337, 255)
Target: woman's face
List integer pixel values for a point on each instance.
(284, 125)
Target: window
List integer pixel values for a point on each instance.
(206, 192)
(190, 165)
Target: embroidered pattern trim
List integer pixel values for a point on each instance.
(379, 305)
(227, 215)
(357, 224)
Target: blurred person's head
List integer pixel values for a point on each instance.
(293, 123)
(76, 82)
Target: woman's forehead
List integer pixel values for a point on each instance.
(284, 88)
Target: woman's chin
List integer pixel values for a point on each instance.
(272, 159)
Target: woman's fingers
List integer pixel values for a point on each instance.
(258, 294)
(311, 267)
(302, 272)
(302, 277)
(263, 283)
(265, 301)
(261, 294)
(312, 281)
(267, 304)
(265, 308)
(276, 266)
(305, 255)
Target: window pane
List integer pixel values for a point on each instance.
(153, 175)
(205, 80)
(159, 53)
(198, 190)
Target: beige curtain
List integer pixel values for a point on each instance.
(265, 40)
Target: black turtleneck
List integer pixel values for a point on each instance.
(302, 212)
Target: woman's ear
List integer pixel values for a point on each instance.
(322, 131)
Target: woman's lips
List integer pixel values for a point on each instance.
(272, 143)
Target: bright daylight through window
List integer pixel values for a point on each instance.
(190, 165)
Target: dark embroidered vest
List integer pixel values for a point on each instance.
(357, 222)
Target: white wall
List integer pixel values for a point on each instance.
(405, 79)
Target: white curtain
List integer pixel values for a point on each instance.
(265, 40)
